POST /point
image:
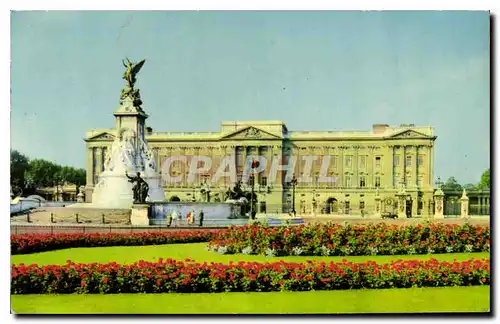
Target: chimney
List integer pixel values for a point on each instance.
(149, 130)
(379, 128)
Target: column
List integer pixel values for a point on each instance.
(356, 168)
(279, 155)
(430, 167)
(103, 158)
(415, 167)
(371, 174)
(341, 162)
(393, 167)
(98, 158)
(404, 165)
(424, 212)
(414, 204)
(90, 165)
(269, 158)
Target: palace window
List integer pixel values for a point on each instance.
(347, 207)
(420, 182)
(205, 178)
(362, 162)
(263, 181)
(377, 162)
(420, 160)
(361, 205)
(333, 183)
(348, 161)
(362, 181)
(334, 161)
(251, 180)
(377, 181)
(348, 181)
(395, 180)
(262, 206)
(396, 160)
(408, 160)
(316, 178)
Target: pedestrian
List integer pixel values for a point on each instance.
(202, 215)
(191, 221)
(169, 220)
(188, 218)
(174, 216)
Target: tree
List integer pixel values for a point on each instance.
(484, 183)
(43, 173)
(452, 185)
(470, 186)
(18, 167)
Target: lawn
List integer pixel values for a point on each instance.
(413, 300)
(196, 251)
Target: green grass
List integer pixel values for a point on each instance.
(196, 251)
(412, 300)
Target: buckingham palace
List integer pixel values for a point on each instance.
(361, 166)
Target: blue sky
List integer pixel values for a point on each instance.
(313, 70)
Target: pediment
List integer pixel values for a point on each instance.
(409, 134)
(250, 133)
(104, 136)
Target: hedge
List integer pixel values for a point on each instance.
(177, 276)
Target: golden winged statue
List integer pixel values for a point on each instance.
(131, 70)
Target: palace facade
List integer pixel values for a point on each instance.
(361, 165)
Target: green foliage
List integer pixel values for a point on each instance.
(42, 173)
(28, 175)
(470, 186)
(484, 183)
(452, 185)
(370, 239)
(359, 301)
(18, 166)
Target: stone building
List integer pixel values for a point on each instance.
(359, 163)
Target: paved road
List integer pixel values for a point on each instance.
(23, 227)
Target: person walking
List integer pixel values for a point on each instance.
(202, 215)
(191, 221)
(175, 216)
(169, 220)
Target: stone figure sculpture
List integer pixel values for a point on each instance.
(140, 189)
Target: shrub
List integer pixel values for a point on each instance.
(177, 276)
(30, 243)
(343, 240)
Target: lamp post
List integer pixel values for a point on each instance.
(294, 183)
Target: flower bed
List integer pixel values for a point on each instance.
(343, 240)
(30, 243)
(177, 276)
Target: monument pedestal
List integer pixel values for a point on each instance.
(139, 215)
